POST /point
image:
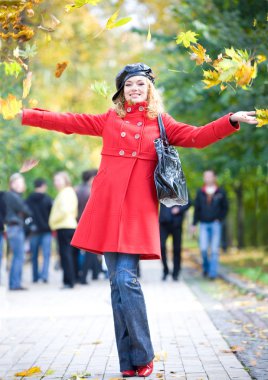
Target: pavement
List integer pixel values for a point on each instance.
(70, 332)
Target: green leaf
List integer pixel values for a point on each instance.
(186, 38)
(101, 88)
(120, 22)
(80, 3)
(12, 68)
(149, 36)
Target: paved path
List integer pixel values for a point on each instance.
(71, 331)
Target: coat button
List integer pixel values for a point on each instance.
(121, 153)
(128, 109)
(123, 134)
(139, 124)
(137, 136)
(141, 108)
(134, 154)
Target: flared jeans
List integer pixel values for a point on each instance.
(129, 311)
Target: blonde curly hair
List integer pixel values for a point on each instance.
(155, 103)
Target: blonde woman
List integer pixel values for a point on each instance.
(62, 219)
(121, 216)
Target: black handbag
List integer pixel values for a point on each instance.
(169, 178)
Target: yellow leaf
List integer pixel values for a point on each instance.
(149, 36)
(199, 54)
(33, 103)
(27, 85)
(29, 372)
(245, 74)
(211, 78)
(112, 19)
(10, 107)
(261, 58)
(186, 38)
(262, 117)
(97, 342)
(79, 4)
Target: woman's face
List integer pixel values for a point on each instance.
(136, 89)
(59, 182)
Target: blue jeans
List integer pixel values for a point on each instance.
(16, 238)
(1, 251)
(42, 240)
(130, 318)
(210, 237)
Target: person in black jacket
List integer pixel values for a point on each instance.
(170, 219)
(2, 218)
(16, 212)
(40, 205)
(211, 207)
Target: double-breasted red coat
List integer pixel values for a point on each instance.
(122, 212)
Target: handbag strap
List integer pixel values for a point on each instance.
(162, 129)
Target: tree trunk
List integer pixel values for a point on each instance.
(240, 215)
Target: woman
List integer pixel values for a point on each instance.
(121, 216)
(63, 220)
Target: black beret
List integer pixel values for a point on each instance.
(132, 70)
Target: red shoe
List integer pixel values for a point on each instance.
(128, 373)
(146, 370)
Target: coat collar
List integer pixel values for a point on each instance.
(136, 107)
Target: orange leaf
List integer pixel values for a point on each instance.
(29, 372)
(60, 68)
(28, 165)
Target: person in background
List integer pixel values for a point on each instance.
(211, 207)
(62, 219)
(170, 220)
(89, 260)
(2, 218)
(16, 212)
(40, 205)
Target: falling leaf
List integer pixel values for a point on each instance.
(97, 342)
(261, 58)
(211, 78)
(149, 36)
(160, 356)
(29, 372)
(79, 4)
(262, 117)
(199, 54)
(101, 88)
(112, 23)
(51, 27)
(33, 103)
(27, 85)
(28, 165)
(10, 107)
(60, 68)
(186, 38)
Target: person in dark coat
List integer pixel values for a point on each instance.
(16, 212)
(90, 261)
(40, 205)
(170, 220)
(2, 218)
(211, 207)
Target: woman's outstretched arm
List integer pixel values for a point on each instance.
(189, 136)
(83, 124)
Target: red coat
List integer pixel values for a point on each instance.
(122, 212)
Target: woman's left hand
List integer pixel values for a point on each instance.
(244, 117)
